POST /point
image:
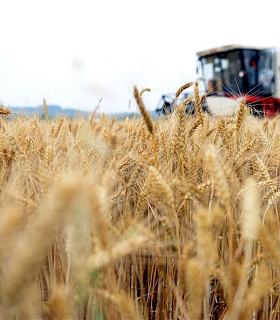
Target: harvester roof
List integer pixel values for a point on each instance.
(226, 48)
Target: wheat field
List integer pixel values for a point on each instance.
(138, 219)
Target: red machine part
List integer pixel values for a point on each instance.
(269, 105)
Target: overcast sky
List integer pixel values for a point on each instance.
(74, 53)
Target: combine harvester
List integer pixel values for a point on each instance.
(231, 73)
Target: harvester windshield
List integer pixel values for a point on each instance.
(237, 71)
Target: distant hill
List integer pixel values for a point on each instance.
(123, 115)
(53, 110)
(56, 111)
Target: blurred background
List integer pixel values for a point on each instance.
(75, 53)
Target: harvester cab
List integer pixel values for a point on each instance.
(232, 73)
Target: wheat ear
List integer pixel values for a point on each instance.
(240, 119)
(5, 111)
(147, 118)
(198, 105)
(144, 90)
(46, 111)
(182, 88)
